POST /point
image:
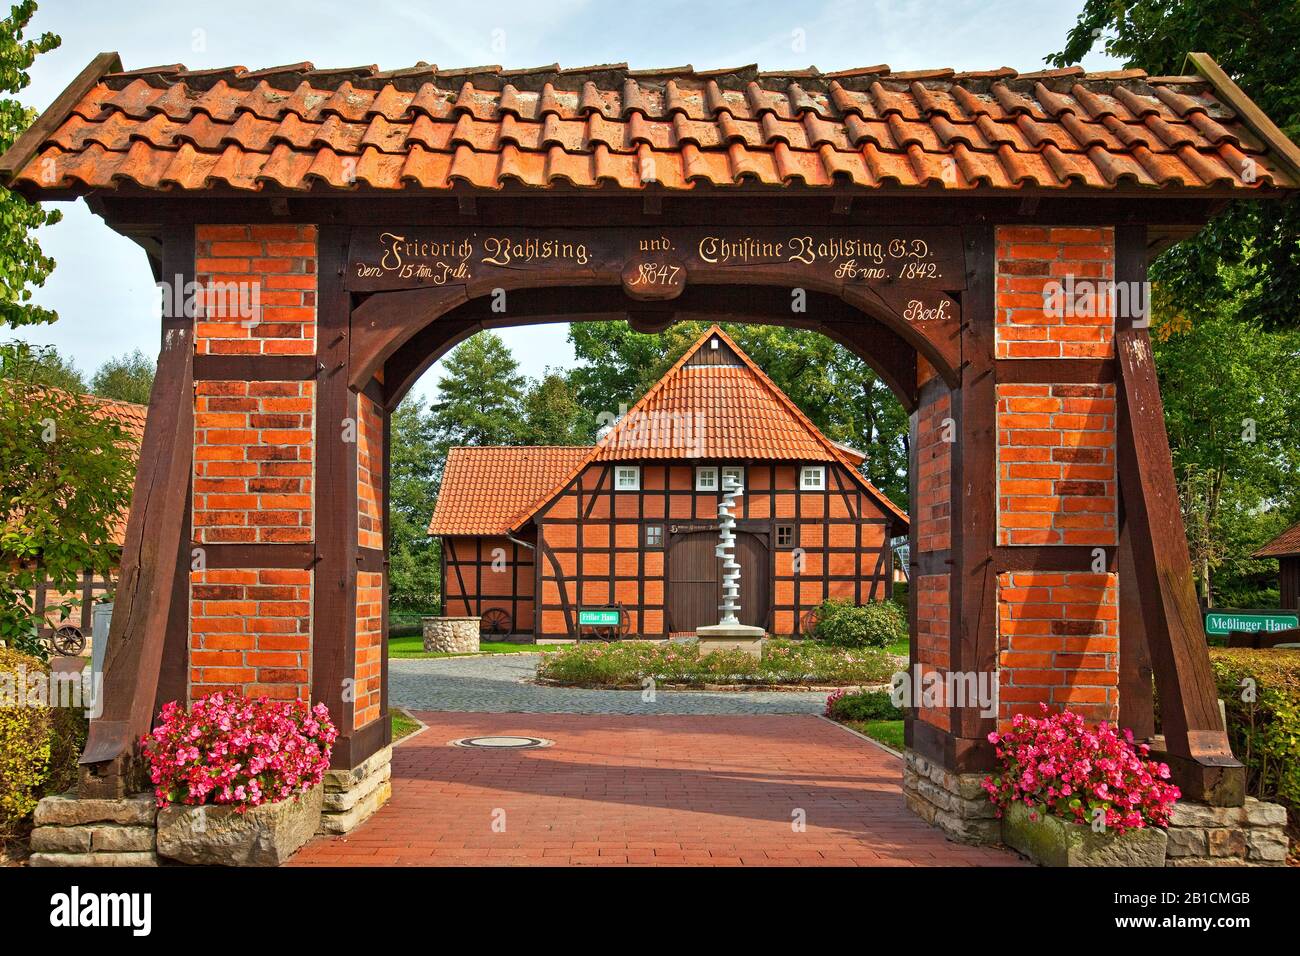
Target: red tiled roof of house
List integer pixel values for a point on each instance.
(716, 412)
(484, 489)
(297, 127)
(1285, 544)
(132, 418)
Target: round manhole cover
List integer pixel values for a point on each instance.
(502, 743)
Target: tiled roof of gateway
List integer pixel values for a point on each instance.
(297, 127)
(1287, 543)
(484, 489)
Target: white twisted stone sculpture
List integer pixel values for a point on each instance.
(726, 549)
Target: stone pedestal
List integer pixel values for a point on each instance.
(352, 796)
(75, 832)
(451, 635)
(1051, 841)
(1250, 835)
(956, 803)
(731, 637)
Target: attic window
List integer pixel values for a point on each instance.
(812, 477)
(713, 343)
(627, 478)
(706, 479)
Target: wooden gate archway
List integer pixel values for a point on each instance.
(942, 225)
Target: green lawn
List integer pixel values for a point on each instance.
(888, 732)
(899, 649)
(402, 725)
(413, 647)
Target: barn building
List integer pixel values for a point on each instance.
(1286, 548)
(534, 536)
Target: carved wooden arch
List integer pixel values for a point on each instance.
(888, 354)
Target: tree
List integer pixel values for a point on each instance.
(1231, 390)
(480, 397)
(44, 364)
(553, 415)
(65, 480)
(1257, 42)
(127, 378)
(22, 264)
(413, 558)
(832, 386)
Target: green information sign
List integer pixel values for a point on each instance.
(599, 617)
(1251, 622)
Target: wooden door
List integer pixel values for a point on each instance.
(695, 580)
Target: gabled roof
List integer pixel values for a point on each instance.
(131, 417)
(1284, 545)
(484, 489)
(716, 411)
(296, 127)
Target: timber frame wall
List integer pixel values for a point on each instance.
(294, 573)
(591, 551)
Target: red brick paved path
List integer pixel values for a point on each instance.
(645, 790)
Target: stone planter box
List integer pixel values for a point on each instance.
(220, 836)
(451, 635)
(1051, 841)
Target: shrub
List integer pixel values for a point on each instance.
(676, 662)
(1263, 731)
(863, 705)
(39, 745)
(229, 749)
(1061, 765)
(846, 624)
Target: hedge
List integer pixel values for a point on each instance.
(845, 624)
(1264, 732)
(39, 746)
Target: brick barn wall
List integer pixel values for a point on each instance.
(254, 460)
(1056, 465)
(368, 666)
(591, 535)
(1056, 460)
(281, 261)
(370, 474)
(1058, 643)
(250, 631)
(481, 574)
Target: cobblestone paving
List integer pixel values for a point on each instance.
(617, 789)
(494, 684)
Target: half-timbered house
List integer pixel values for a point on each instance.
(532, 537)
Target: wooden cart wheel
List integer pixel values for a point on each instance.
(69, 641)
(495, 621)
(808, 623)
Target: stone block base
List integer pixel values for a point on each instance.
(451, 635)
(731, 637)
(351, 796)
(1249, 835)
(75, 832)
(953, 802)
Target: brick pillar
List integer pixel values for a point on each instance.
(1058, 593)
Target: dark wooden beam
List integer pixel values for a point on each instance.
(974, 483)
(150, 555)
(1197, 745)
(334, 590)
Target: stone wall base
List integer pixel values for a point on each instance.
(953, 802)
(352, 796)
(451, 635)
(1250, 835)
(75, 832)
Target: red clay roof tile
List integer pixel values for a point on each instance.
(1287, 543)
(424, 128)
(484, 489)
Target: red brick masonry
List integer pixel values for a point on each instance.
(655, 790)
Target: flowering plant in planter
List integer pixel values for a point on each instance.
(1061, 765)
(233, 750)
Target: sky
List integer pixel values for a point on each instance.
(102, 287)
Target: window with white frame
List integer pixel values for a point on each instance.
(737, 471)
(706, 478)
(627, 478)
(812, 478)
